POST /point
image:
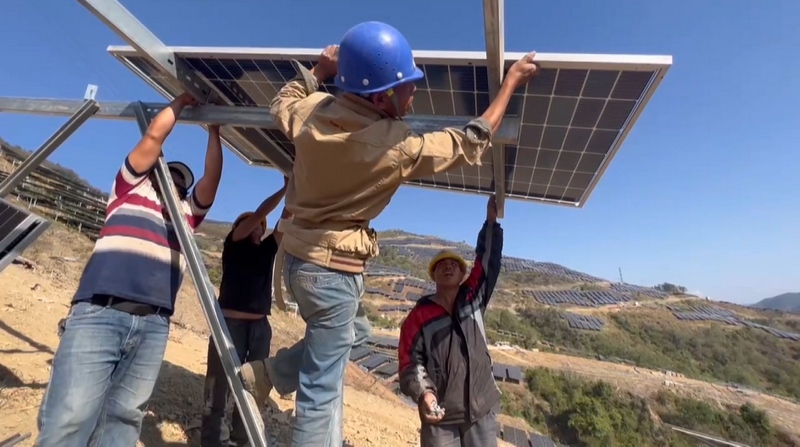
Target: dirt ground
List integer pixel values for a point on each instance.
(33, 300)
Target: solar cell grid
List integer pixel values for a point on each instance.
(10, 218)
(575, 113)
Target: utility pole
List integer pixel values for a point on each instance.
(620, 274)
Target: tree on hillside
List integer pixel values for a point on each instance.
(670, 288)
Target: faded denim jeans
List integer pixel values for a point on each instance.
(103, 373)
(330, 303)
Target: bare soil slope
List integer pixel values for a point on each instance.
(33, 300)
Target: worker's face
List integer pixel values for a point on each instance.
(177, 179)
(405, 97)
(447, 273)
(401, 105)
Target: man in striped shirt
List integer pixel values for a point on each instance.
(114, 339)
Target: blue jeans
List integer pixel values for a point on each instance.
(330, 303)
(103, 373)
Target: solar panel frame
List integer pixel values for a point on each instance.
(247, 141)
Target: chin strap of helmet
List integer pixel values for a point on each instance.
(395, 103)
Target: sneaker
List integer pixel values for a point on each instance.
(256, 381)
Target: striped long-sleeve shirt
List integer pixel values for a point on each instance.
(138, 256)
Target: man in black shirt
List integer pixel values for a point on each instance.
(245, 298)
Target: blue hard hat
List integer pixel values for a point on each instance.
(374, 57)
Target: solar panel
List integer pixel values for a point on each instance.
(389, 369)
(499, 372)
(515, 436)
(514, 374)
(374, 361)
(19, 228)
(574, 115)
(541, 441)
(359, 353)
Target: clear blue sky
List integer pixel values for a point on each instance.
(700, 193)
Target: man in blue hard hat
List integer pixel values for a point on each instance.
(352, 154)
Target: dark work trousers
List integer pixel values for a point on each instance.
(483, 433)
(251, 339)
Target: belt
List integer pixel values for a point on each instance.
(127, 306)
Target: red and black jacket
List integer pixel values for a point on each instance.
(448, 353)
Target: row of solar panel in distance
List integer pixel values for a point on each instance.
(374, 269)
(576, 297)
(521, 438)
(383, 342)
(697, 316)
(506, 373)
(726, 316)
(631, 288)
(410, 296)
(703, 310)
(511, 265)
(387, 309)
(583, 322)
(374, 362)
(775, 332)
(423, 254)
(417, 240)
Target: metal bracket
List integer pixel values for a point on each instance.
(127, 26)
(91, 92)
(494, 34)
(79, 116)
(205, 291)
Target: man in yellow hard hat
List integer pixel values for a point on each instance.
(443, 355)
(245, 297)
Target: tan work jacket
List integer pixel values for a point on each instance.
(350, 159)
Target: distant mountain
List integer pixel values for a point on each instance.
(788, 302)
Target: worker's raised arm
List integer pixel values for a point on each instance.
(411, 356)
(435, 152)
(488, 255)
(141, 160)
(284, 105)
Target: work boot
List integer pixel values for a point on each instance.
(256, 381)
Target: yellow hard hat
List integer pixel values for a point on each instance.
(244, 216)
(446, 254)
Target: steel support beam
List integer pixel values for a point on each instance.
(254, 117)
(79, 114)
(130, 29)
(205, 290)
(494, 34)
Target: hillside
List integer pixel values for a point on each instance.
(787, 302)
(594, 362)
